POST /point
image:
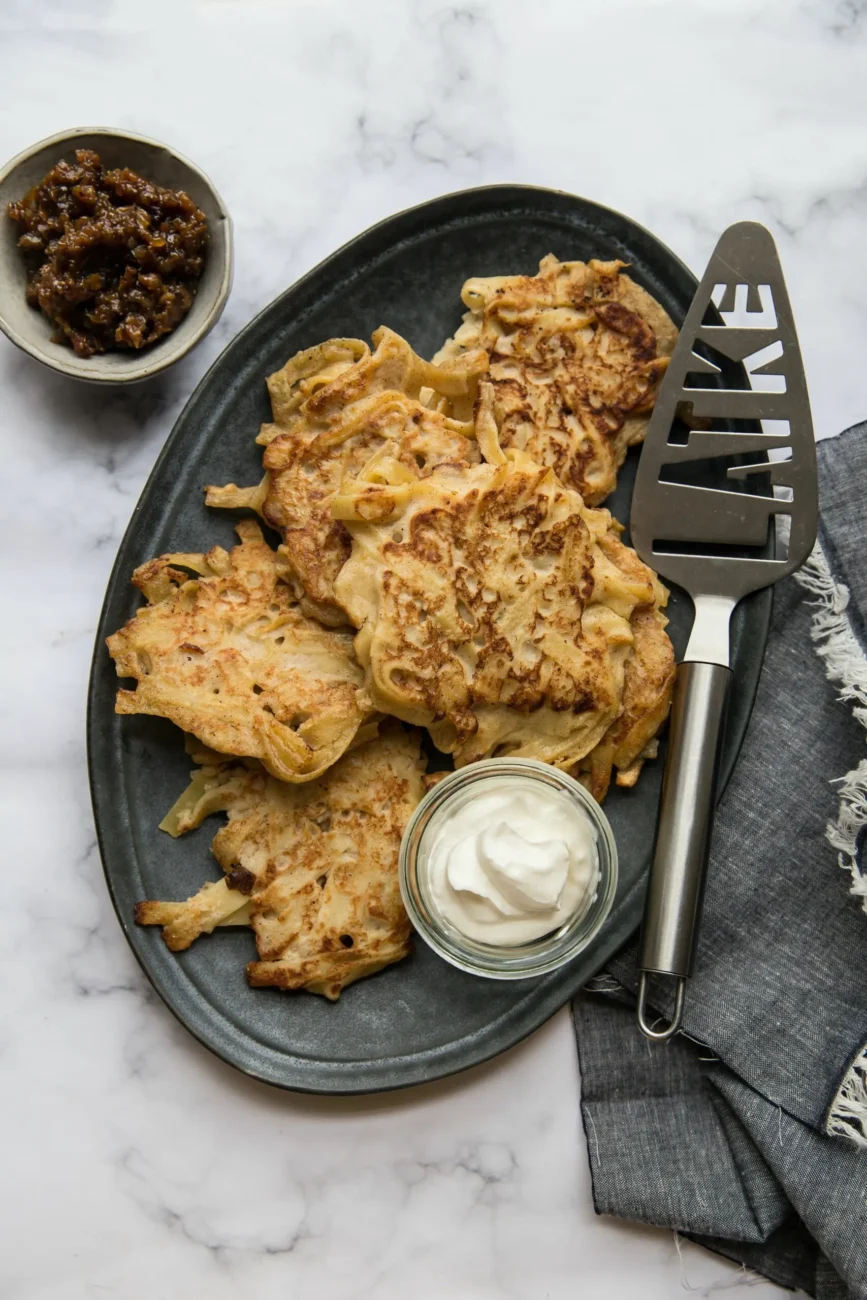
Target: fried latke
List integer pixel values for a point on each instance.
(647, 684)
(576, 356)
(312, 868)
(228, 655)
(493, 608)
(328, 422)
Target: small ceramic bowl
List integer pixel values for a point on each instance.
(31, 331)
(575, 932)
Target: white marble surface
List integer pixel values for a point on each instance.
(135, 1166)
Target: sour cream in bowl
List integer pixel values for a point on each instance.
(508, 868)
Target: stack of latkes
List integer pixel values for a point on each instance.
(444, 563)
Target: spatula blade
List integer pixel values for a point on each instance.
(695, 535)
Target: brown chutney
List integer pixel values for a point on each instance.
(113, 260)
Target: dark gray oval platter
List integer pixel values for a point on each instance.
(422, 1019)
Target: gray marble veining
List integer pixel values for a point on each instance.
(136, 1166)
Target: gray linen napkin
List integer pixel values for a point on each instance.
(752, 1137)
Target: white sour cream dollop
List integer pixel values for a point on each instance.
(512, 863)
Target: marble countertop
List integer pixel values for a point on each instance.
(135, 1165)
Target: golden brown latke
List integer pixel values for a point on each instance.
(647, 681)
(647, 684)
(332, 413)
(577, 353)
(493, 608)
(229, 656)
(312, 868)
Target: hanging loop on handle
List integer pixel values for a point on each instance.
(652, 1029)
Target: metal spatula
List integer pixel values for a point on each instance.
(718, 544)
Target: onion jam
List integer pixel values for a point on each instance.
(113, 260)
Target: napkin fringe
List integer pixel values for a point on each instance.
(845, 663)
(847, 1116)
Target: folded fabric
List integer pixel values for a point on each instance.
(752, 1137)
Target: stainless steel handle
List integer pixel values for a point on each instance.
(674, 894)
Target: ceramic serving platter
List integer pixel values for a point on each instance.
(421, 1019)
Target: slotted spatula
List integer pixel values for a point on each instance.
(718, 544)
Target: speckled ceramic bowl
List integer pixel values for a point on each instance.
(31, 331)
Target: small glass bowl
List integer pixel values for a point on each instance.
(497, 961)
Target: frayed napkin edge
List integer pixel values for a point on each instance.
(845, 664)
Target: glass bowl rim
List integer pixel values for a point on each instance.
(542, 955)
